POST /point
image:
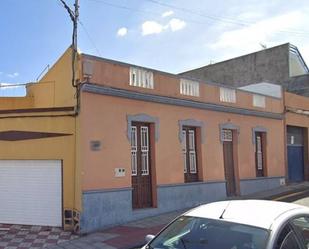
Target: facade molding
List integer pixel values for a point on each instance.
(193, 123)
(103, 90)
(143, 118)
(258, 129)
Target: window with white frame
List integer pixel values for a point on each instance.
(145, 150)
(259, 153)
(227, 95)
(134, 150)
(184, 150)
(141, 78)
(259, 101)
(192, 154)
(189, 87)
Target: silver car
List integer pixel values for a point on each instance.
(238, 224)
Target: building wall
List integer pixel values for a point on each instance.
(297, 114)
(104, 117)
(53, 148)
(108, 124)
(55, 88)
(269, 65)
(115, 74)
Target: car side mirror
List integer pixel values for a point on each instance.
(149, 238)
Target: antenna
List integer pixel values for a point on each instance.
(45, 69)
(264, 46)
(221, 216)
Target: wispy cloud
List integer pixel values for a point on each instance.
(261, 32)
(122, 32)
(176, 24)
(13, 75)
(153, 27)
(168, 13)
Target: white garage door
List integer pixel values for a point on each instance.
(31, 192)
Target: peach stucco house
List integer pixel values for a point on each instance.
(153, 142)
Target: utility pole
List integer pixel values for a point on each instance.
(74, 42)
(74, 17)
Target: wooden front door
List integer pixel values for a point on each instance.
(227, 139)
(140, 163)
(189, 154)
(260, 153)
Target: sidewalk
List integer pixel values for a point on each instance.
(131, 235)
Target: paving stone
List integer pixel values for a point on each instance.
(27, 237)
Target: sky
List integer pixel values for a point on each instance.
(168, 35)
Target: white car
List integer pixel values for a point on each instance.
(237, 224)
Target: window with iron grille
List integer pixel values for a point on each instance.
(192, 152)
(141, 78)
(227, 95)
(133, 150)
(144, 150)
(184, 150)
(189, 87)
(189, 152)
(226, 135)
(260, 153)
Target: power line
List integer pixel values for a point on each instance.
(140, 11)
(89, 37)
(221, 19)
(203, 15)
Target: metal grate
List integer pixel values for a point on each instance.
(192, 154)
(184, 150)
(226, 135)
(145, 150)
(133, 150)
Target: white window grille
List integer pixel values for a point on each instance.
(259, 101)
(226, 135)
(133, 151)
(141, 78)
(192, 153)
(189, 87)
(184, 150)
(227, 95)
(259, 153)
(145, 150)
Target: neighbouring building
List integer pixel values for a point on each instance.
(282, 65)
(137, 142)
(264, 72)
(39, 181)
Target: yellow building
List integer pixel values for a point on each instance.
(38, 178)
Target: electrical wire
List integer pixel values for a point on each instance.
(89, 37)
(203, 15)
(218, 18)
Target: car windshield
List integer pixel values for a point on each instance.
(200, 233)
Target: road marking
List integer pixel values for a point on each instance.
(290, 195)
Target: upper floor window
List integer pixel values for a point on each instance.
(189, 87)
(227, 95)
(259, 101)
(141, 78)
